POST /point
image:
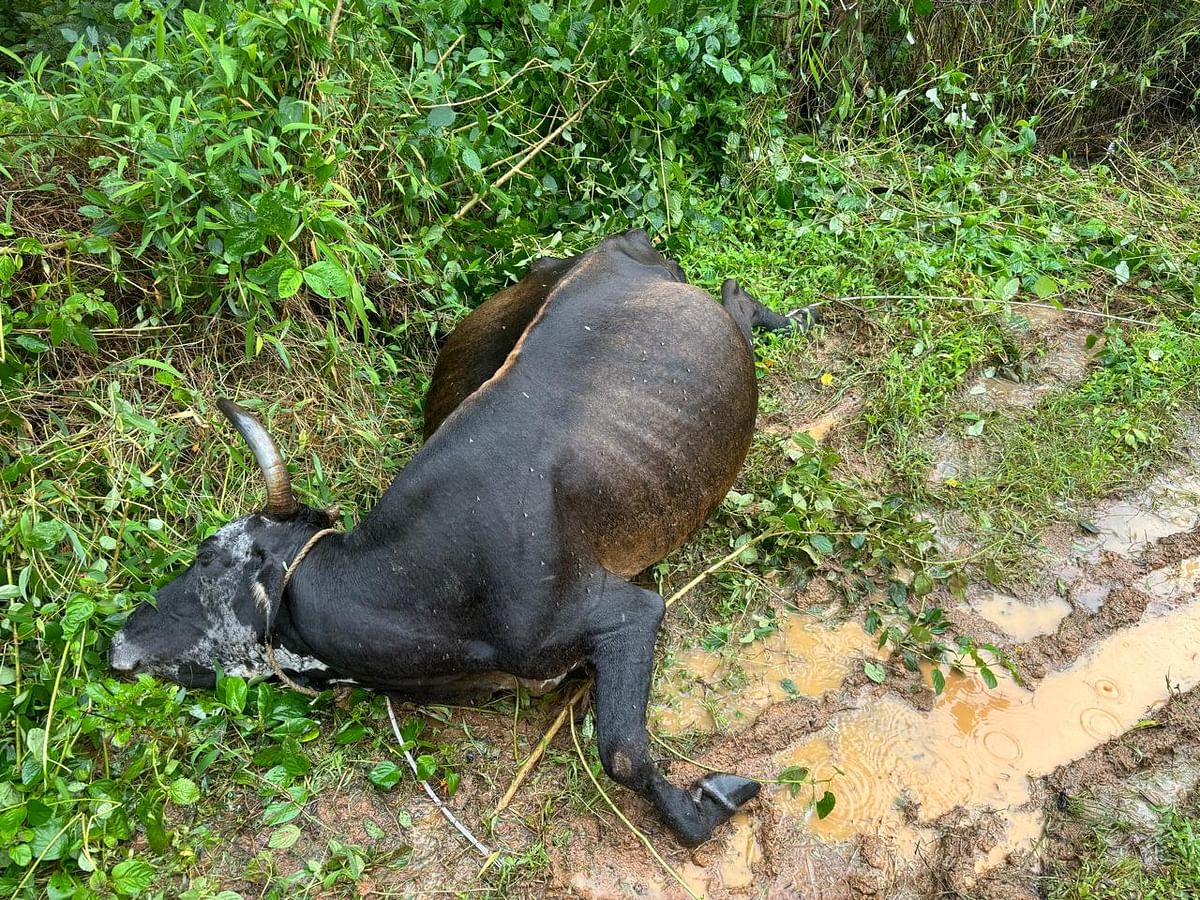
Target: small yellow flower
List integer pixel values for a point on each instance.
(827, 379)
(951, 482)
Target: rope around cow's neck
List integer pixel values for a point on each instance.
(287, 577)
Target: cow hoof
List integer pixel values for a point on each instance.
(803, 318)
(717, 797)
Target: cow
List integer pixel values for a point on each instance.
(580, 425)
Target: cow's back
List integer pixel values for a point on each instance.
(637, 392)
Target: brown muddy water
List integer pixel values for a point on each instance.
(897, 769)
(1022, 621)
(978, 747)
(894, 767)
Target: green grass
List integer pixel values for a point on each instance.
(1107, 871)
(115, 466)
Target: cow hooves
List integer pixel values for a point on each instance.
(717, 797)
(803, 318)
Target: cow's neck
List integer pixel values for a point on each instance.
(360, 601)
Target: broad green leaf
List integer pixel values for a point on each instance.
(328, 280)
(874, 671)
(1121, 271)
(988, 677)
(821, 543)
(350, 732)
(440, 117)
(279, 813)
(79, 610)
(234, 693)
(242, 240)
(273, 214)
(471, 159)
(284, 837)
(1045, 286)
(939, 681)
(426, 767)
(37, 813)
(385, 775)
(1008, 288)
(825, 805)
(8, 267)
(61, 886)
(289, 283)
(540, 12)
(45, 535)
(184, 792)
(794, 777)
(132, 877)
(50, 840)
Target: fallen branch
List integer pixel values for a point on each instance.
(536, 753)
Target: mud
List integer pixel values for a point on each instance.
(1127, 780)
(1022, 621)
(953, 794)
(805, 657)
(1055, 353)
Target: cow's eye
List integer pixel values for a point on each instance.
(205, 557)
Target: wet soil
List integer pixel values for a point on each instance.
(949, 794)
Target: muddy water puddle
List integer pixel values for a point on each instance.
(803, 658)
(1168, 505)
(1066, 354)
(1019, 620)
(978, 748)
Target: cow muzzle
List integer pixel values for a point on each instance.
(123, 654)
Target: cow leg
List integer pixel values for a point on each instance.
(622, 630)
(749, 314)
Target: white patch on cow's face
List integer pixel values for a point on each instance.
(216, 612)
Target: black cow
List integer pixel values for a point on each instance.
(580, 425)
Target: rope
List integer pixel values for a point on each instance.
(287, 577)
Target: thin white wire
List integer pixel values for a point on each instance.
(437, 801)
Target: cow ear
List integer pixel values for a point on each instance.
(268, 592)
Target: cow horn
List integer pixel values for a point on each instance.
(281, 502)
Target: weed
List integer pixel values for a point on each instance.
(1106, 871)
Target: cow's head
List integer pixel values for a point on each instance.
(218, 611)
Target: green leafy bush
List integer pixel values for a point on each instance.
(257, 155)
